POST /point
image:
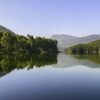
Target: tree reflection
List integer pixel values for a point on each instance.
(93, 58)
(19, 61)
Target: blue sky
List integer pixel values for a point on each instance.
(47, 17)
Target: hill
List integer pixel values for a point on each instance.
(66, 41)
(4, 29)
(89, 48)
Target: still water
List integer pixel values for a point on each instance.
(52, 77)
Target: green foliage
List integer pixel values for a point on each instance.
(10, 43)
(89, 48)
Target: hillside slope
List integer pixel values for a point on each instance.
(4, 29)
(89, 48)
(66, 41)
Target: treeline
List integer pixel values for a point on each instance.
(12, 43)
(89, 48)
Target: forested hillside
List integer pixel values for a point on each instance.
(89, 48)
(16, 43)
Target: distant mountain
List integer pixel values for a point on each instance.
(4, 29)
(89, 38)
(65, 41)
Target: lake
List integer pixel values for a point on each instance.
(50, 77)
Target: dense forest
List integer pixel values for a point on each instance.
(89, 48)
(12, 43)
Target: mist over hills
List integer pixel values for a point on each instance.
(66, 41)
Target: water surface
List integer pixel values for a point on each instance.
(50, 77)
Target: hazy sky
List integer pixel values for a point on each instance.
(47, 17)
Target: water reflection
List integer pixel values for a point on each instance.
(64, 61)
(19, 61)
(92, 58)
(67, 78)
(10, 62)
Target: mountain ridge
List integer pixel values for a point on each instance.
(5, 29)
(66, 41)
